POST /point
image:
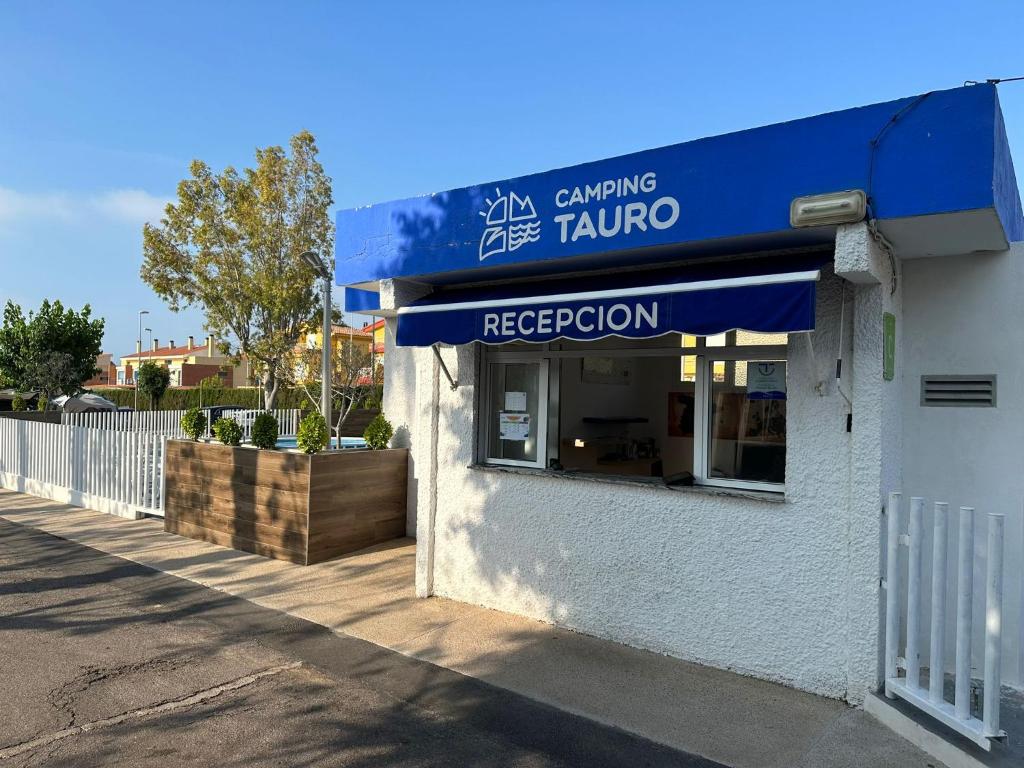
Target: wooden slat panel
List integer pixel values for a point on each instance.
(233, 542)
(285, 501)
(215, 454)
(288, 538)
(356, 423)
(224, 474)
(184, 499)
(326, 503)
(289, 506)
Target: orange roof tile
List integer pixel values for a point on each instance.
(166, 352)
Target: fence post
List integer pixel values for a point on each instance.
(892, 591)
(964, 612)
(163, 472)
(937, 653)
(914, 594)
(993, 623)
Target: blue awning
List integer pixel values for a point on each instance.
(766, 296)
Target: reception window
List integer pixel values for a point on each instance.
(677, 409)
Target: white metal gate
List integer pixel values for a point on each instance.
(932, 700)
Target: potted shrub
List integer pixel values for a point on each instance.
(228, 431)
(312, 436)
(378, 433)
(302, 506)
(193, 424)
(265, 431)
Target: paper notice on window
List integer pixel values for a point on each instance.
(766, 381)
(513, 426)
(515, 401)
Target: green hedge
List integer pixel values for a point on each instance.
(183, 399)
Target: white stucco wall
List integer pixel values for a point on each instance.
(400, 407)
(965, 315)
(784, 591)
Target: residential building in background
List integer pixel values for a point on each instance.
(377, 330)
(106, 373)
(313, 339)
(188, 364)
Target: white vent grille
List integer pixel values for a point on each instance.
(977, 391)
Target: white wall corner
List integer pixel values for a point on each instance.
(400, 408)
(424, 456)
(876, 437)
(858, 257)
(395, 294)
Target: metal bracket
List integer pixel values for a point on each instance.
(437, 353)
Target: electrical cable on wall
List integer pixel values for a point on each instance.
(872, 221)
(839, 346)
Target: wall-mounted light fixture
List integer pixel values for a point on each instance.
(834, 208)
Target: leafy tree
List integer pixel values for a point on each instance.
(153, 380)
(50, 373)
(53, 349)
(354, 377)
(232, 243)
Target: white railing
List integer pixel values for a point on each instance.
(287, 421)
(113, 471)
(168, 423)
(956, 715)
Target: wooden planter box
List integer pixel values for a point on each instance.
(289, 506)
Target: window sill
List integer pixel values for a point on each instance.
(773, 497)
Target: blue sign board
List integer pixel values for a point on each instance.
(629, 313)
(943, 152)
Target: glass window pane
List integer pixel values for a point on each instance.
(748, 421)
(514, 411)
(627, 416)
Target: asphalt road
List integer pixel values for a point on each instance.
(106, 662)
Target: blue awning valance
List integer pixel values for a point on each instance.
(762, 296)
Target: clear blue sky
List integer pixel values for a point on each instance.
(103, 104)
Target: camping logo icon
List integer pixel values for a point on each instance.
(511, 223)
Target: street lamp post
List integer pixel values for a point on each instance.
(138, 359)
(318, 265)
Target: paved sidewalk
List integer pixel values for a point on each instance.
(732, 719)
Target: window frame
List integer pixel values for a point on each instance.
(702, 395)
(548, 408)
(484, 420)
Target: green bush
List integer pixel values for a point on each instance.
(41, 403)
(312, 435)
(18, 403)
(228, 431)
(181, 399)
(378, 433)
(264, 431)
(193, 423)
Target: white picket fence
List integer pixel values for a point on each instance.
(986, 621)
(113, 471)
(168, 423)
